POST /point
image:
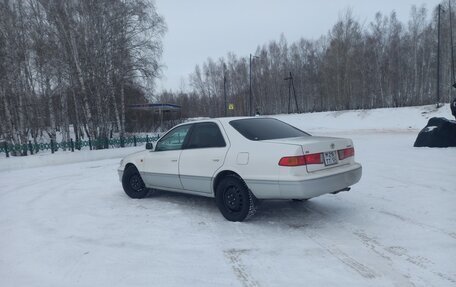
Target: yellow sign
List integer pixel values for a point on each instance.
(231, 107)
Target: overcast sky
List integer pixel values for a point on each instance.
(199, 29)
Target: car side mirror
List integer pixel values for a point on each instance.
(149, 146)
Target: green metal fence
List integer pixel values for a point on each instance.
(103, 143)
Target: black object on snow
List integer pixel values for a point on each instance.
(453, 107)
(439, 132)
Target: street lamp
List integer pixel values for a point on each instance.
(250, 78)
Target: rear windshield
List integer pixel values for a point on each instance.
(259, 129)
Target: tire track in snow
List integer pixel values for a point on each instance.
(419, 261)
(234, 257)
(383, 266)
(397, 251)
(401, 252)
(419, 224)
(231, 256)
(357, 266)
(310, 231)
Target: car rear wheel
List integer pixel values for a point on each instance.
(234, 200)
(133, 184)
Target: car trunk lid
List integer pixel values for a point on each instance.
(328, 147)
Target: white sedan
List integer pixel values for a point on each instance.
(240, 160)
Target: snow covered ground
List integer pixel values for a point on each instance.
(70, 224)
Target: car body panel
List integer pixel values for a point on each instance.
(316, 185)
(197, 167)
(313, 144)
(161, 169)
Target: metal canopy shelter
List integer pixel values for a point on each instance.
(156, 107)
(160, 108)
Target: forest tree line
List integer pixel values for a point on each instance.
(381, 63)
(80, 63)
(75, 63)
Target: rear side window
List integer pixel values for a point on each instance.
(258, 129)
(205, 135)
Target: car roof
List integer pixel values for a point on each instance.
(223, 120)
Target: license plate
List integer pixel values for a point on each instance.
(330, 158)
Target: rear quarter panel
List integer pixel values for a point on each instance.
(257, 162)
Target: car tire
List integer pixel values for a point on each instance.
(133, 184)
(234, 199)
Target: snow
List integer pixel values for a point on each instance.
(63, 157)
(72, 225)
(387, 119)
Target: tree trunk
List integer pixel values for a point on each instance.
(122, 114)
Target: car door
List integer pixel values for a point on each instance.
(161, 167)
(203, 155)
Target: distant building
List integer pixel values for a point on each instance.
(141, 118)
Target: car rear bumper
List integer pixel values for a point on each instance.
(317, 186)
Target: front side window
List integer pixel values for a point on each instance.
(205, 135)
(259, 129)
(174, 140)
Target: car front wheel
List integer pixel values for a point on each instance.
(234, 200)
(133, 184)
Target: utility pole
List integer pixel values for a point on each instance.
(224, 86)
(291, 85)
(289, 92)
(452, 45)
(250, 81)
(438, 58)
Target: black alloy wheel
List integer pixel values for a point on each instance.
(133, 184)
(234, 200)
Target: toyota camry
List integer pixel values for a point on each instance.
(239, 161)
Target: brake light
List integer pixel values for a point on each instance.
(346, 153)
(316, 158)
(292, 161)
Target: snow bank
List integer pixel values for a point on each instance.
(414, 118)
(64, 157)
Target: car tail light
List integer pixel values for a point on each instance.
(346, 153)
(316, 158)
(292, 161)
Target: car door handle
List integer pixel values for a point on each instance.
(216, 160)
(174, 160)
